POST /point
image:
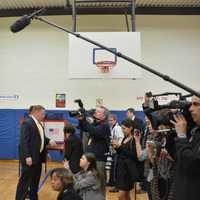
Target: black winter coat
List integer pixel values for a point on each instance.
(73, 152)
(187, 179)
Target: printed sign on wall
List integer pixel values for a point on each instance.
(9, 97)
(54, 130)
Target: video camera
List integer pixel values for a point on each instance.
(81, 111)
(162, 114)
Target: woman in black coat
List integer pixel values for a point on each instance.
(62, 181)
(73, 149)
(127, 166)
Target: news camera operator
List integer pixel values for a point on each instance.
(99, 138)
(187, 178)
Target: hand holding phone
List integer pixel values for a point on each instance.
(137, 135)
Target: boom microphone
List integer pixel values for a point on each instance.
(24, 21)
(20, 24)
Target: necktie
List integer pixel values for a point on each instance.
(41, 131)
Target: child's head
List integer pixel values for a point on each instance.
(61, 178)
(88, 161)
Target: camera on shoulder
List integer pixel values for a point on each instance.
(81, 112)
(161, 114)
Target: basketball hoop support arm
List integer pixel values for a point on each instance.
(119, 54)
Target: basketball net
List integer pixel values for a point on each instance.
(105, 66)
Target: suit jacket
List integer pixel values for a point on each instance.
(99, 137)
(73, 152)
(30, 142)
(138, 123)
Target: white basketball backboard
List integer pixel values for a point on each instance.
(83, 56)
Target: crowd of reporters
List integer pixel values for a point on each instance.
(164, 159)
(165, 163)
(114, 147)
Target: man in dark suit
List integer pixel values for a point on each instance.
(137, 122)
(32, 152)
(73, 149)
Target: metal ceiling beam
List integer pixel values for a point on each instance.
(74, 12)
(133, 8)
(168, 10)
(107, 11)
(67, 3)
(126, 19)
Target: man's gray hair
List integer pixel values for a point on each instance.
(106, 112)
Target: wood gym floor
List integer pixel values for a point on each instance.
(9, 178)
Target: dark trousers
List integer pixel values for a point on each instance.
(102, 175)
(113, 170)
(148, 184)
(29, 179)
(143, 184)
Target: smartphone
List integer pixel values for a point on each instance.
(137, 132)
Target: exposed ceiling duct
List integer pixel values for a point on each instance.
(63, 7)
(22, 4)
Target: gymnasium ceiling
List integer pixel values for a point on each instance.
(64, 7)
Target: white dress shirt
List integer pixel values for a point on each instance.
(117, 133)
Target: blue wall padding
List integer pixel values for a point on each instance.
(10, 129)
